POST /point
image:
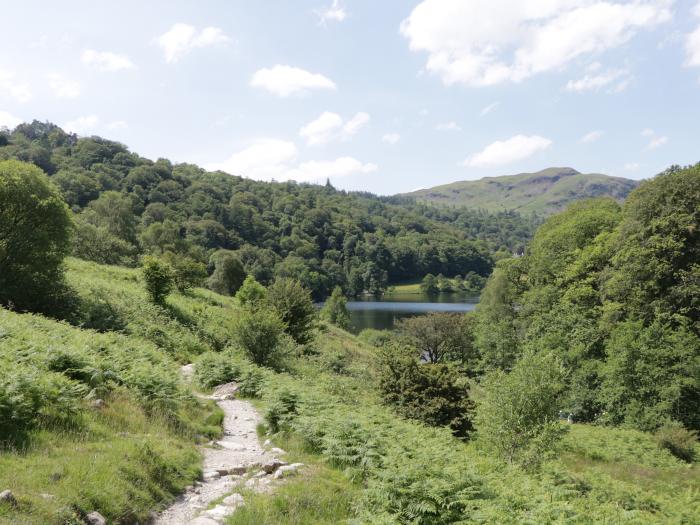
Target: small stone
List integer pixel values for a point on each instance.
(187, 372)
(203, 520)
(287, 470)
(278, 451)
(267, 443)
(211, 475)
(97, 403)
(220, 512)
(95, 518)
(8, 498)
(47, 496)
(231, 445)
(234, 500)
(271, 466)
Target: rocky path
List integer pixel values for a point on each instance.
(238, 460)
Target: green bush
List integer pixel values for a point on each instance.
(259, 333)
(187, 273)
(295, 308)
(159, 279)
(212, 369)
(282, 409)
(435, 394)
(679, 441)
(251, 294)
(228, 273)
(374, 337)
(252, 383)
(517, 412)
(335, 310)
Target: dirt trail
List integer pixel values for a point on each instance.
(237, 460)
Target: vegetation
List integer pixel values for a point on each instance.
(335, 310)
(34, 231)
(294, 306)
(545, 192)
(126, 206)
(159, 279)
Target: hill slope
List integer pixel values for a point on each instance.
(543, 192)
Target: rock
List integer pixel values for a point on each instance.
(97, 403)
(95, 518)
(208, 476)
(203, 520)
(234, 500)
(278, 451)
(271, 466)
(267, 443)
(187, 372)
(220, 512)
(225, 391)
(47, 496)
(231, 445)
(8, 498)
(287, 470)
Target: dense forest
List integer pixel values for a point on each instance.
(126, 206)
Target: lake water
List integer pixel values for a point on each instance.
(382, 313)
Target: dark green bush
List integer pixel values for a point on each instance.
(252, 383)
(335, 310)
(281, 410)
(212, 369)
(159, 279)
(295, 308)
(259, 333)
(678, 440)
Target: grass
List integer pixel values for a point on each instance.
(411, 287)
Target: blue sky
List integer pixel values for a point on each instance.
(384, 96)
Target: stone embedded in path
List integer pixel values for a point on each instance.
(278, 451)
(225, 391)
(203, 520)
(212, 474)
(220, 512)
(234, 500)
(271, 466)
(95, 518)
(232, 445)
(287, 470)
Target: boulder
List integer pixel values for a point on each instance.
(8, 498)
(234, 500)
(95, 518)
(271, 466)
(287, 470)
(225, 391)
(220, 512)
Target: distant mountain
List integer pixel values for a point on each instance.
(544, 192)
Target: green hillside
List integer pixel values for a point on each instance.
(543, 192)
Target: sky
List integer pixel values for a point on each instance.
(382, 96)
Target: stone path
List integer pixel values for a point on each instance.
(238, 460)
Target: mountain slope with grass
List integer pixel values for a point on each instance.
(543, 192)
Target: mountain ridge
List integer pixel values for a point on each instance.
(544, 192)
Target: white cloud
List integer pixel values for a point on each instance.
(106, 60)
(448, 126)
(391, 138)
(616, 80)
(487, 42)
(81, 125)
(277, 159)
(285, 81)
(7, 120)
(692, 43)
(655, 140)
(591, 136)
(631, 166)
(330, 126)
(10, 86)
(315, 170)
(513, 149)
(334, 13)
(183, 38)
(64, 87)
(118, 124)
(488, 109)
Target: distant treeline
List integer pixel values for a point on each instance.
(126, 206)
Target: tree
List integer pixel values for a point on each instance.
(35, 230)
(159, 279)
(228, 273)
(258, 331)
(517, 412)
(251, 294)
(295, 308)
(187, 273)
(429, 285)
(335, 310)
(440, 336)
(436, 394)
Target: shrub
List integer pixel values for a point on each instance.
(251, 293)
(435, 394)
(259, 333)
(252, 383)
(213, 369)
(335, 311)
(374, 337)
(187, 273)
(679, 441)
(295, 308)
(282, 409)
(35, 230)
(159, 279)
(517, 412)
(228, 273)
(441, 336)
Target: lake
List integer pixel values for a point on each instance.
(382, 313)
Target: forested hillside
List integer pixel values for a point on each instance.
(544, 192)
(126, 206)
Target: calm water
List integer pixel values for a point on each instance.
(382, 313)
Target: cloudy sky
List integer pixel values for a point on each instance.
(385, 96)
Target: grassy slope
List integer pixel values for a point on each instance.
(127, 458)
(543, 192)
